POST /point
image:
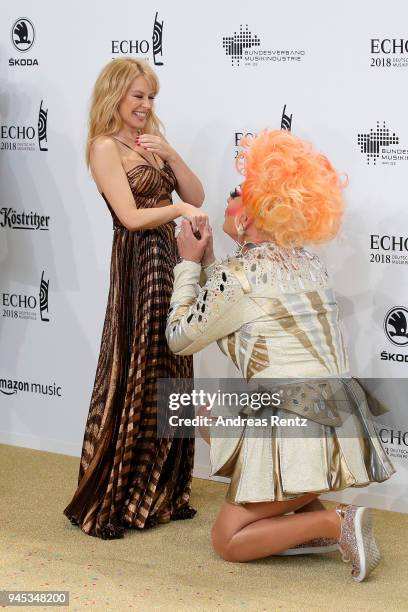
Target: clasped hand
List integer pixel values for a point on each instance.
(196, 248)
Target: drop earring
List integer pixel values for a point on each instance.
(241, 232)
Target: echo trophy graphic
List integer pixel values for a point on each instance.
(44, 287)
(285, 124)
(24, 306)
(377, 145)
(286, 120)
(157, 41)
(21, 137)
(42, 127)
(142, 47)
(244, 48)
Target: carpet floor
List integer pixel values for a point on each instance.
(170, 567)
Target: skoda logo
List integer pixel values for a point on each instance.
(22, 34)
(396, 325)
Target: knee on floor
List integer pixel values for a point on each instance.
(222, 546)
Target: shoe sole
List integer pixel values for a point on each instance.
(308, 550)
(367, 547)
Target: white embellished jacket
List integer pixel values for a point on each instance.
(270, 309)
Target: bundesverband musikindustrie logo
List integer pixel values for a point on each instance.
(245, 49)
(379, 144)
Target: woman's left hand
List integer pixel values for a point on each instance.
(158, 146)
(191, 248)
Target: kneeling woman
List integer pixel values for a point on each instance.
(273, 313)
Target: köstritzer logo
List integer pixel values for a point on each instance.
(12, 219)
(395, 325)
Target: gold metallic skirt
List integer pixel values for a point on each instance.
(269, 460)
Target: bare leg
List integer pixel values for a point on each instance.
(253, 531)
(312, 506)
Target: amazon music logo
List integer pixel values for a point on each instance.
(9, 386)
(149, 48)
(27, 306)
(26, 136)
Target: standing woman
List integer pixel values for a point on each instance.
(128, 477)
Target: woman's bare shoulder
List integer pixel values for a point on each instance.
(103, 144)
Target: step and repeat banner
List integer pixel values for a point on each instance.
(336, 76)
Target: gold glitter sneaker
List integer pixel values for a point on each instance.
(312, 547)
(356, 542)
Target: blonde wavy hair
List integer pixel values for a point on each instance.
(291, 192)
(111, 86)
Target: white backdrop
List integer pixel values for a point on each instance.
(338, 73)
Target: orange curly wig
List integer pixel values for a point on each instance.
(291, 192)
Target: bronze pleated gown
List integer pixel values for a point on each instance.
(128, 477)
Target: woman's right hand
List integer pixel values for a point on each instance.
(193, 214)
